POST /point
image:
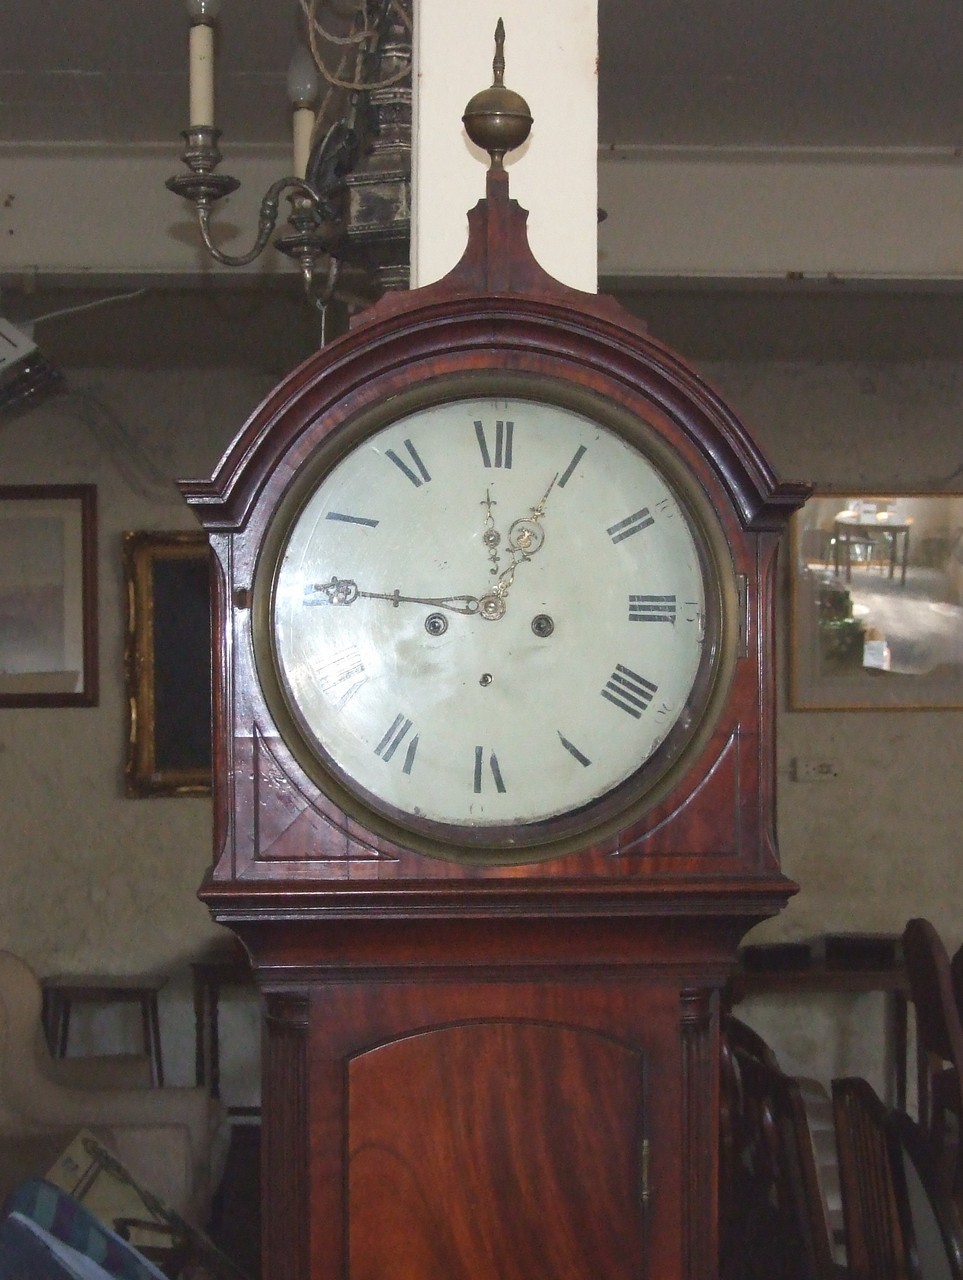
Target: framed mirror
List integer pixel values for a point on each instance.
(877, 601)
(168, 664)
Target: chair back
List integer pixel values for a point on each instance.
(874, 1235)
(931, 986)
(900, 1223)
(930, 1220)
(939, 1033)
(956, 976)
(774, 1221)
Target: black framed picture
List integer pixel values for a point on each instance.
(168, 664)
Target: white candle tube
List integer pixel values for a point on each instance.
(303, 128)
(202, 75)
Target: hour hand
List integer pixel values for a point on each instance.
(343, 591)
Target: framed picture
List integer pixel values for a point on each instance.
(48, 595)
(877, 602)
(168, 664)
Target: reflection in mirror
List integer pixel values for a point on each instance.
(877, 601)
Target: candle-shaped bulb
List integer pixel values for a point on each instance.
(304, 84)
(202, 14)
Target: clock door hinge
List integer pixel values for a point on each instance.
(644, 1189)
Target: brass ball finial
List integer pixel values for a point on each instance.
(498, 119)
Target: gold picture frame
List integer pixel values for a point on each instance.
(168, 664)
(876, 619)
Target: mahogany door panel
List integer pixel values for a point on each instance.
(503, 1130)
(475, 1153)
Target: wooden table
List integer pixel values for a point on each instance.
(822, 978)
(846, 532)
(230, 968)
(63, 990)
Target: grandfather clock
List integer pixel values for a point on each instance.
(494, 773)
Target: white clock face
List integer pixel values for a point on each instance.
(491, 612)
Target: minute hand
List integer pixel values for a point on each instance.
(343, 591)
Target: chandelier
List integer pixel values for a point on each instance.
(349, 84)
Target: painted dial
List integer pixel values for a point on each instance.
(491, 612)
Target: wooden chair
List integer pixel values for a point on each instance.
(900, 1224)
(939, 1047)
(956, 976)
(774, 1224)
(929, 1218)
(874, 1235)
(733, 1171)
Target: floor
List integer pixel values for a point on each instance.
(923, 627)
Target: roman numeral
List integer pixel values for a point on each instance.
(480, 771)
(629, 691)
(573, 750)
(501, 455)
(652, 609)
(395, 736)
(345, 669)
(634, 523)
(569, 470)
(346, 519)
(420, 472)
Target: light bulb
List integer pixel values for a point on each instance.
(304, 82)
(203, 10)
(202, 14)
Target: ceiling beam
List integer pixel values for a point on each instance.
(81, 214)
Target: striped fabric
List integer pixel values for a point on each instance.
(68, 1221)
(27, 1252)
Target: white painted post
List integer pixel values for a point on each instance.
(551, 59)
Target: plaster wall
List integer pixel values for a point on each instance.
(879, 842)
(94, 881)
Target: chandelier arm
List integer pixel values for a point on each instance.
(267, 221)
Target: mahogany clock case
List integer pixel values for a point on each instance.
(281, 815)
(472, 1060)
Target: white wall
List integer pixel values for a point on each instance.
(92, 881)
(96, 881)
(881, 842)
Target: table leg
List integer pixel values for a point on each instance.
(200, 1027)
(213, 996)
(63, 1024)
(896, 1022)
(48, 1019)
(150, 1023)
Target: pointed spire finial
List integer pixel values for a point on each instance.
(497, 119)
(498, 62)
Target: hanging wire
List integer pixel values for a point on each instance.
(88, 306)
(362, 38)
(117, 441)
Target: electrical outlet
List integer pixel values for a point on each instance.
(815, 770)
